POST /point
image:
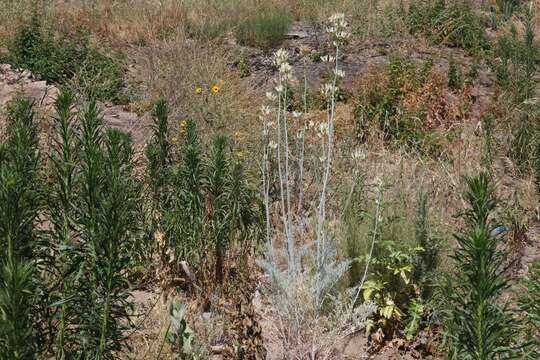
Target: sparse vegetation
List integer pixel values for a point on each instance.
(515, 71)
(455, 81)
(404, 104)
(279, 179)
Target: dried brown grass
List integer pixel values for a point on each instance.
(145, 22)
(177, 70)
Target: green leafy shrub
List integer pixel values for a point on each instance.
(183, 217)
(242, 64)
(400, 266)
(64, 287)
(68, 60)
(62, 200)
(450, 22)
(181, 336)
(158, 175)
(265, 30)
(17, 298)
(390, 285)
(218, 167)
(19, 177)
(479, 325)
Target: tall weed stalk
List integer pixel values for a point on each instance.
(109, 220)
(304, 290)
(18, 212)
(480, 324)
(62, 207)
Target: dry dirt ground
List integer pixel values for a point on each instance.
(307, 43)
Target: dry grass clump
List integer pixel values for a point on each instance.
(12, 15)
(410, 103)
(200, 86)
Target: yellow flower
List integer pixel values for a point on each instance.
(221, 82)
(215, 89)
(198, 90)
(174, 140)
(183, 126)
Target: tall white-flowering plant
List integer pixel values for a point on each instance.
(312, 270)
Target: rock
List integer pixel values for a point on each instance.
(356, 345)
(14, 81)
(142, 297)
(26, 74)
(299, 34)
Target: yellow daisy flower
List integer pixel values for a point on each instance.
(198, 90)
(215, 89)
(221, 82)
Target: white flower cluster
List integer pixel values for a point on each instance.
(280, 57)
(266, 110)
(328, 58)
(339, 73)
(323, 129)
(328, 90)
(337, 28)
(271, 96)
(358, 154)
(281, 62)
(296, 114)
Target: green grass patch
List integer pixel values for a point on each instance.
(265, 31)
(453, 23)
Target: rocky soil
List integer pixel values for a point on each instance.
(15, 82)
